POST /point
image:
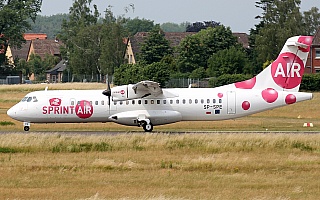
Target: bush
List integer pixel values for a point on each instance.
(310, 82)
(228, 79)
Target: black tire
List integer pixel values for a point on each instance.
(26, 128)
(147, 127)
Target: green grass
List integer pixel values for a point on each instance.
(6, 123)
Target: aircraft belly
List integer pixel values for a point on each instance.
(157, 117)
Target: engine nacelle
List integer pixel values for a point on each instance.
(125, 92)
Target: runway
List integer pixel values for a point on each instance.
(156, 132)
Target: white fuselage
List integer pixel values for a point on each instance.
(190, 104)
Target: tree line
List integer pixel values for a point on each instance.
(94, 43)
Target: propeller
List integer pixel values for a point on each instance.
(107, 92)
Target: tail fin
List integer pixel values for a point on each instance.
(286, 72)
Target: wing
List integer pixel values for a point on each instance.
(145, 88)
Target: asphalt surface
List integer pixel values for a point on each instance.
(158, 132)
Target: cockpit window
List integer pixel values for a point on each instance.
(35, 99)
(24, 99)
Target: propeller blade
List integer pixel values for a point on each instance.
(107, 92)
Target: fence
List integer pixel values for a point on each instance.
(172, 83)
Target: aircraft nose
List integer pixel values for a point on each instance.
(11, 112)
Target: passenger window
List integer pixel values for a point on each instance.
(208, 100)
(72, 103)
(78, 102)
(29, 99)
(35, 99)
(217, 112)
(164, 101)
(127, 102)
(214, 101)
(133, 102)
(139, 102)
(220, 100)
(145, 101)
(171, 101)
(158, 101)
(184, 101)
(102, 103)
(177, 101)
(202, 101)
(96, 103)
(121, 102)
(196, 101)
(190, 101)
(152, 101)
(115, 103)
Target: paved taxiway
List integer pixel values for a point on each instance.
(160, 132)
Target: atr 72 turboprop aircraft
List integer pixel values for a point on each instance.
(146, 104)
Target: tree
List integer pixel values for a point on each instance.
(158, 72)
(198, 26)
(35, 65)
(155, 47)
(281, 20)
(191, 51)
(129, 73)
(51, 25)
(311, 20)
(13, 22)
(76, 38)
(227, 61)
(93, 46)
(172, 27)
(138, 25)
(195, 50)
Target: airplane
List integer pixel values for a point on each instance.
(146, 104)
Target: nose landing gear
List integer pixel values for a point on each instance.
(26, 126)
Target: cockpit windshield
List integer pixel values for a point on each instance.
(29, 99)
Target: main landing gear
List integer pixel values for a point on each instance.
(26, 126)
(147, 127)
(146, 124)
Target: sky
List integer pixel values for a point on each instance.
(237, 14)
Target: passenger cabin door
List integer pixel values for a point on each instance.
(231, 103)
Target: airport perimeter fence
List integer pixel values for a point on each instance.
(172, 83)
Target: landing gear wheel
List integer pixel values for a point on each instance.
(147, 127)
(26, 128)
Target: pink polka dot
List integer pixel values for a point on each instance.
(290, 99)
(245, 105)
(269, 95)
(305, 40)
(247, 84)
(220, 95)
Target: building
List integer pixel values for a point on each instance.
(38, 44)
(134, 43)
(55, 75)
(313, 62)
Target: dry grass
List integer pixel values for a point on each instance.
(160, 166)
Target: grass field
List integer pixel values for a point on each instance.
(162, 166)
